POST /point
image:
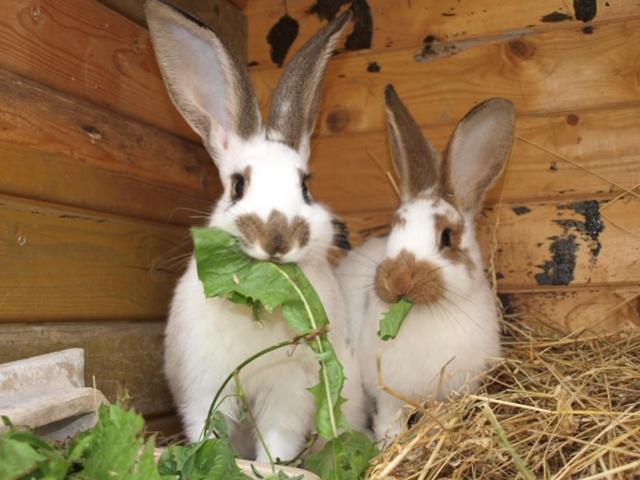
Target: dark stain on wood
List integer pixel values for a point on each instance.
(327, 9)
(588, 30)
(555, 17)
(280, 38)
(585, 10)
(522, 49)
(560, 268)
(433, 48)
(360, 38)
(373, 67)
(572, 119)
(337, 121)
(553, 166)
(522, 210)
(448, 14)
(590, 228)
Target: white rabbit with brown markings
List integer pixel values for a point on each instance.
(432, 259)
(267, 206)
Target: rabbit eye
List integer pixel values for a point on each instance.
(305, 189)
(445, 238)
(237, 186)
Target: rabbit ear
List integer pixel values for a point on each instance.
(415, 160)
(207, 84)
(296, 100)
(478, 151)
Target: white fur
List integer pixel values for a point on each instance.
(440, 348)
(207, 338)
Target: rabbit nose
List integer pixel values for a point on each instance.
(418, 281)
(277, 246)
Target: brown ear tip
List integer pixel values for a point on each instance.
(341, 21)
(390, 93)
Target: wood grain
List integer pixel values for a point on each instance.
(600, 310)
(59, 149)
(62, 264)
(119, 356)
(542, 246)
(405, 24)
(555, 72)
(83, 48)
(603, 141)
(222, 16)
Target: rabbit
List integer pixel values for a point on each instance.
(266, 204)
(432, 259)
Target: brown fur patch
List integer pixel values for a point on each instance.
(418, 281)
(276, 236)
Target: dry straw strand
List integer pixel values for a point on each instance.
(565, 407)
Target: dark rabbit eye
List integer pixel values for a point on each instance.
(445, 238)
(305, 189)
(237, 186)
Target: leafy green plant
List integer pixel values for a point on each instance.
(227, 272)
(115, 448)
(393, 318)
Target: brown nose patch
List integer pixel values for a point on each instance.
(276, 236)
(403, 276)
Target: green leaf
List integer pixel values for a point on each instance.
(115, 445)
(392, 319)
(17, 458)
(344, 458)
(50, 462)
(226, 271)
(213, 459)
(173, 458)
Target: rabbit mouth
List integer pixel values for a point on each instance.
(404, 277)
(277, 239)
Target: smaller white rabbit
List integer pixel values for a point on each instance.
(431, 258)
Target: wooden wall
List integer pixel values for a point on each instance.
(99, 179)
(99, 175)
(568, 241)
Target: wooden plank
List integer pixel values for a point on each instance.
(61, 264)
(603, 141)
(542, 246)
(555, 244)
(59, 149)
(222, 16)
(83, 48)
(406, 24)
(602, 310)
(550, 72)
(119, 356)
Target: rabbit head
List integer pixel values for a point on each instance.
(263, 168)
(432, 253)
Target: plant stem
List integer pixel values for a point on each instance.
(323, 370)
(241, 365)
(245, 404)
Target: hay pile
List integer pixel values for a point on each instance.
(556, 407)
